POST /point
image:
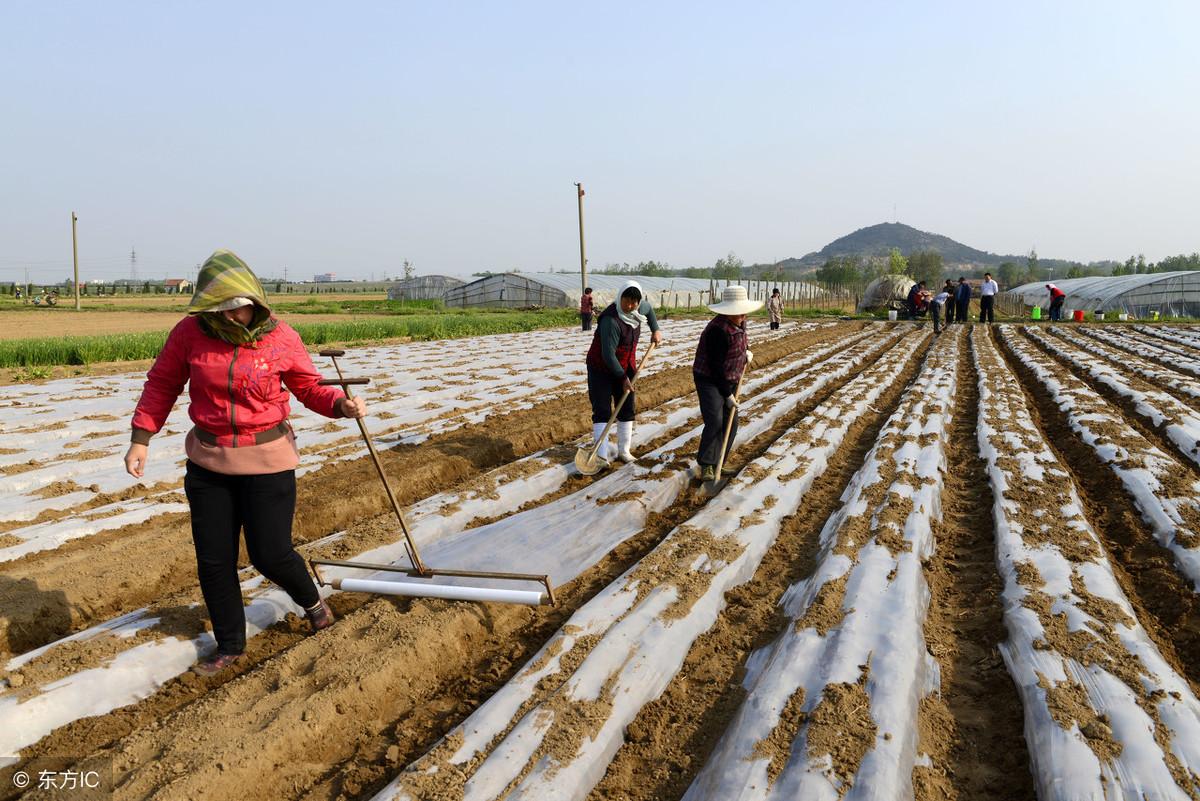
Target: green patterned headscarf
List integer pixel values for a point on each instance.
(225, 277)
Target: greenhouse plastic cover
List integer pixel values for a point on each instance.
(1174, 293)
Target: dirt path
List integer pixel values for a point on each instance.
(972, 730)
(1165, 602)
(671, 737)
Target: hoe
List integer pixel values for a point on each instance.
(419, 569)
(587, 460)
(711, 488)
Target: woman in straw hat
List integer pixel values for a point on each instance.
(721, 357)
(236, 359)
(612, 362)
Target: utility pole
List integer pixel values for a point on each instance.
(133, 265)
(75, 257)
(582, 252)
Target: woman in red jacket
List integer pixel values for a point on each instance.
(236, 359)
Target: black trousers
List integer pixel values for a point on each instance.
(586, 319)
(221, 507)
(935, 311)
(949, 311)
(964, 308)
(987, 306)
(604, 391)
(1056, 307)
(712, 409)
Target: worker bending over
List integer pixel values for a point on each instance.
(612, 362)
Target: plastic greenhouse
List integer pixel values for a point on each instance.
(422, 287)
(886, 292)
(520, 290)
(1174, 294)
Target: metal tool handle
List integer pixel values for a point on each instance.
(345, 383)
(617, 409)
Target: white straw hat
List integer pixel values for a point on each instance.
(734, 301)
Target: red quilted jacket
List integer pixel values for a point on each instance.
(235, 391)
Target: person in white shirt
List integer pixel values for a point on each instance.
(987, 299)
(936, 306)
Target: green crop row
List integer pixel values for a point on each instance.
(126, 347)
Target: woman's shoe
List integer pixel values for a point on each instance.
(215, 664)
(320, 616)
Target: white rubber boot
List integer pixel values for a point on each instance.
(624, 440)
(605, 451)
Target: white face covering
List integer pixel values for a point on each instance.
(635, 317)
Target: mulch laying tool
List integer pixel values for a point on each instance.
(711, 488)
(587, 460)
(419, 569)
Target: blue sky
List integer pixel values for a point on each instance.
(349, 137)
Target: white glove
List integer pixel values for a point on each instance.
(730, 402)
(749, 356)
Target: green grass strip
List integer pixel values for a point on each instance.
(46, 351)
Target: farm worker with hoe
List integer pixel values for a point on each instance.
(721, 357)
(585, 308)
(1057, 298)
(236, 359)
(775, 309)
(612, 361)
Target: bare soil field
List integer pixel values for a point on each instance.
(960, 566)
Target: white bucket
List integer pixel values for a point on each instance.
(892, 315)
(1122, 316)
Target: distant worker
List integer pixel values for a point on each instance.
(721, 357)
(17, 293)
(235, 358)
(948, 287)
(987, 299)
(940, 303)
(585, 309)
(612, 361)
(916, 300)
(775, 309)
(962, 300)
(1057, 299)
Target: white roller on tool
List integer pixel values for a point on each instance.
(420, 570)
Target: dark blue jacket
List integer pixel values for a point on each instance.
(963, 293)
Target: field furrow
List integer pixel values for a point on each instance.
(1106, 716)
(615, 654)
(832, 705)
(1164, 492)
(538, 534)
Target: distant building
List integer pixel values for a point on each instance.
(176, 286)
(324, 278)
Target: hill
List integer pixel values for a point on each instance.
(878, 240)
